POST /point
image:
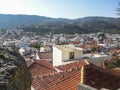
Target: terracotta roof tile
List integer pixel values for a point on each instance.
(59, 81)
(73, 42)
(94, 76)
(98, 77)
(45, 63)
(41, 67)
(77, 64)
(45, 55)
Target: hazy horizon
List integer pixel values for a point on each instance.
(58, 17)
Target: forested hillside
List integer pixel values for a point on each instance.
(43, 25)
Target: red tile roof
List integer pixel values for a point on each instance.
(77, 64)
(59, 81)
(98, 77)
(45, 55)
(85, 46)
(94, 76)
(41, 67)
(73, 42)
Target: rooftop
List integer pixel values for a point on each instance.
(77, 64)
(95, 55)
(58, 81)
(41, 67)
(98, 77)
(68, 47)
(89, 74)
(45, 55)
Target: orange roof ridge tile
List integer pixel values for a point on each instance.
(74, 65)
(43, 62)
(54, 73)
(87, 62)
(45, 75)
(82, 79)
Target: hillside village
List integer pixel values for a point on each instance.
(68, 62)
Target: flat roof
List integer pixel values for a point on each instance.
(95, 55)
(68, 47)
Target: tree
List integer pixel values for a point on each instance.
(37, 46)
(115, 64)
(118, 62)
(118, 9)
(118, 21)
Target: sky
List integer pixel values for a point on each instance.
(60, 8)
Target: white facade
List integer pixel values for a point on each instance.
(61, 54)
(21, 51)
(36, 56)
(42, 49)
(57, 56)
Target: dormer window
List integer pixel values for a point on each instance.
(71, 55)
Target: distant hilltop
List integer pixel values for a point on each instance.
(43, 25)
(10, 20)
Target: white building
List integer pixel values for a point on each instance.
(97, 59)
(24, 42)
(63, 54)
(26, 50)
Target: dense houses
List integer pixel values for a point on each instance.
(68, 62)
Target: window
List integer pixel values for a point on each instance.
(71, 55)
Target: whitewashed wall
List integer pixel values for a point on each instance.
(57, 57)
(78, 54)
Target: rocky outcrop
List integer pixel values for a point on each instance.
(14, 74)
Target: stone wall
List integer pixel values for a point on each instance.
(14, 74)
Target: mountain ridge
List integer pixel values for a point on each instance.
(11, 20)
(46, 25)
